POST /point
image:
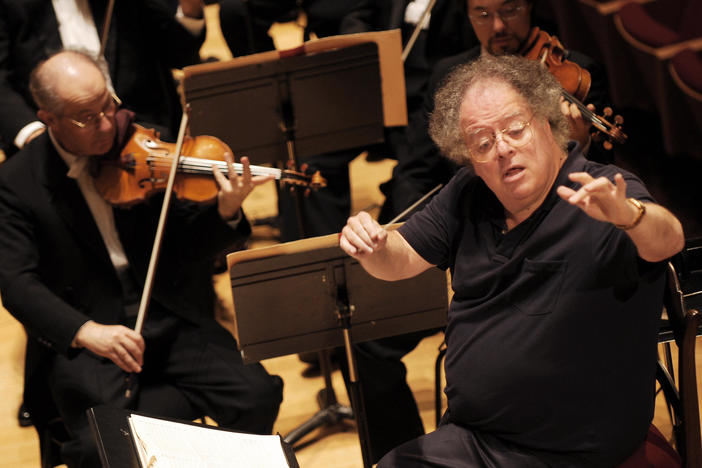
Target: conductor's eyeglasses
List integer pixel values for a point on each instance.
(93, 120)
(481, 142)
(506, 13)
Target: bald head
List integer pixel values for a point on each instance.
(65, 76)
(75, 103)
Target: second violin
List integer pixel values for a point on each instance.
(574, 79)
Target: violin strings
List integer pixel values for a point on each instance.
(204, 166)
(584, 110)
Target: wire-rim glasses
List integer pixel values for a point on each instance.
(94, 119)
(506, 13)
(481, 142)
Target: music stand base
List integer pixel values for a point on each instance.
(326, 416)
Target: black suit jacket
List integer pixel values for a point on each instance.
(56, 274)
(145, 42)
(449, 33)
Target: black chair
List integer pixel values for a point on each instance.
(681, 395)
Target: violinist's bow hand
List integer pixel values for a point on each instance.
(120, 344)
(235, 188)
(362, 236)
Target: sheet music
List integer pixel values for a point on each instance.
(162, 443)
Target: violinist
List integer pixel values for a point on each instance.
(73, 268)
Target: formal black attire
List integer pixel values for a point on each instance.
(551, 334)
(145, 42)
(245, 23)
(56, 274)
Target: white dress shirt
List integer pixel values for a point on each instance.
(100, 209)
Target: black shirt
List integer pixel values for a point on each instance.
(552, 328)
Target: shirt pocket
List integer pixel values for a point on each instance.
(539, 286)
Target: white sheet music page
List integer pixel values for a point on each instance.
(167, 444)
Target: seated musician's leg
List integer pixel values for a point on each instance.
(78, 384)
(205, 365)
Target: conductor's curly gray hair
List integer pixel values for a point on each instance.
(529, 78)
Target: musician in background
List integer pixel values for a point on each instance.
(73, 269)
(245, 23)
(145, 41)
(558, 271)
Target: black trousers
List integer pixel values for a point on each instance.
(391, 410)
(201, 363)
(453, 446)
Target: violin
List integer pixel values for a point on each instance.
(575, 80)
(143, 166)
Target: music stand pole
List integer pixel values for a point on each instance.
(331, 411)
(344, 313)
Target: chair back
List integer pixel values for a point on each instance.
(682, 396)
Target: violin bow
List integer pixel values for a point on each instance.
(410, 208)
(106, 27)
(417, 28)
(156, 249)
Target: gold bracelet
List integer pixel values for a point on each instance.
(642, 211)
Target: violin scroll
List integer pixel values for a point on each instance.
(609, 131)
(294, 178)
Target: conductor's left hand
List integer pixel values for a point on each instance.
(600, 198)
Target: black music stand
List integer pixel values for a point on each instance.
(290, 107)
(282, 110)
(319, 298)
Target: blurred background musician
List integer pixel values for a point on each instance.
(147, 38)
(245, 27)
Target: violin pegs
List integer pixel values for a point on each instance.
(618, 119)
(607, 145)
(607, 112)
